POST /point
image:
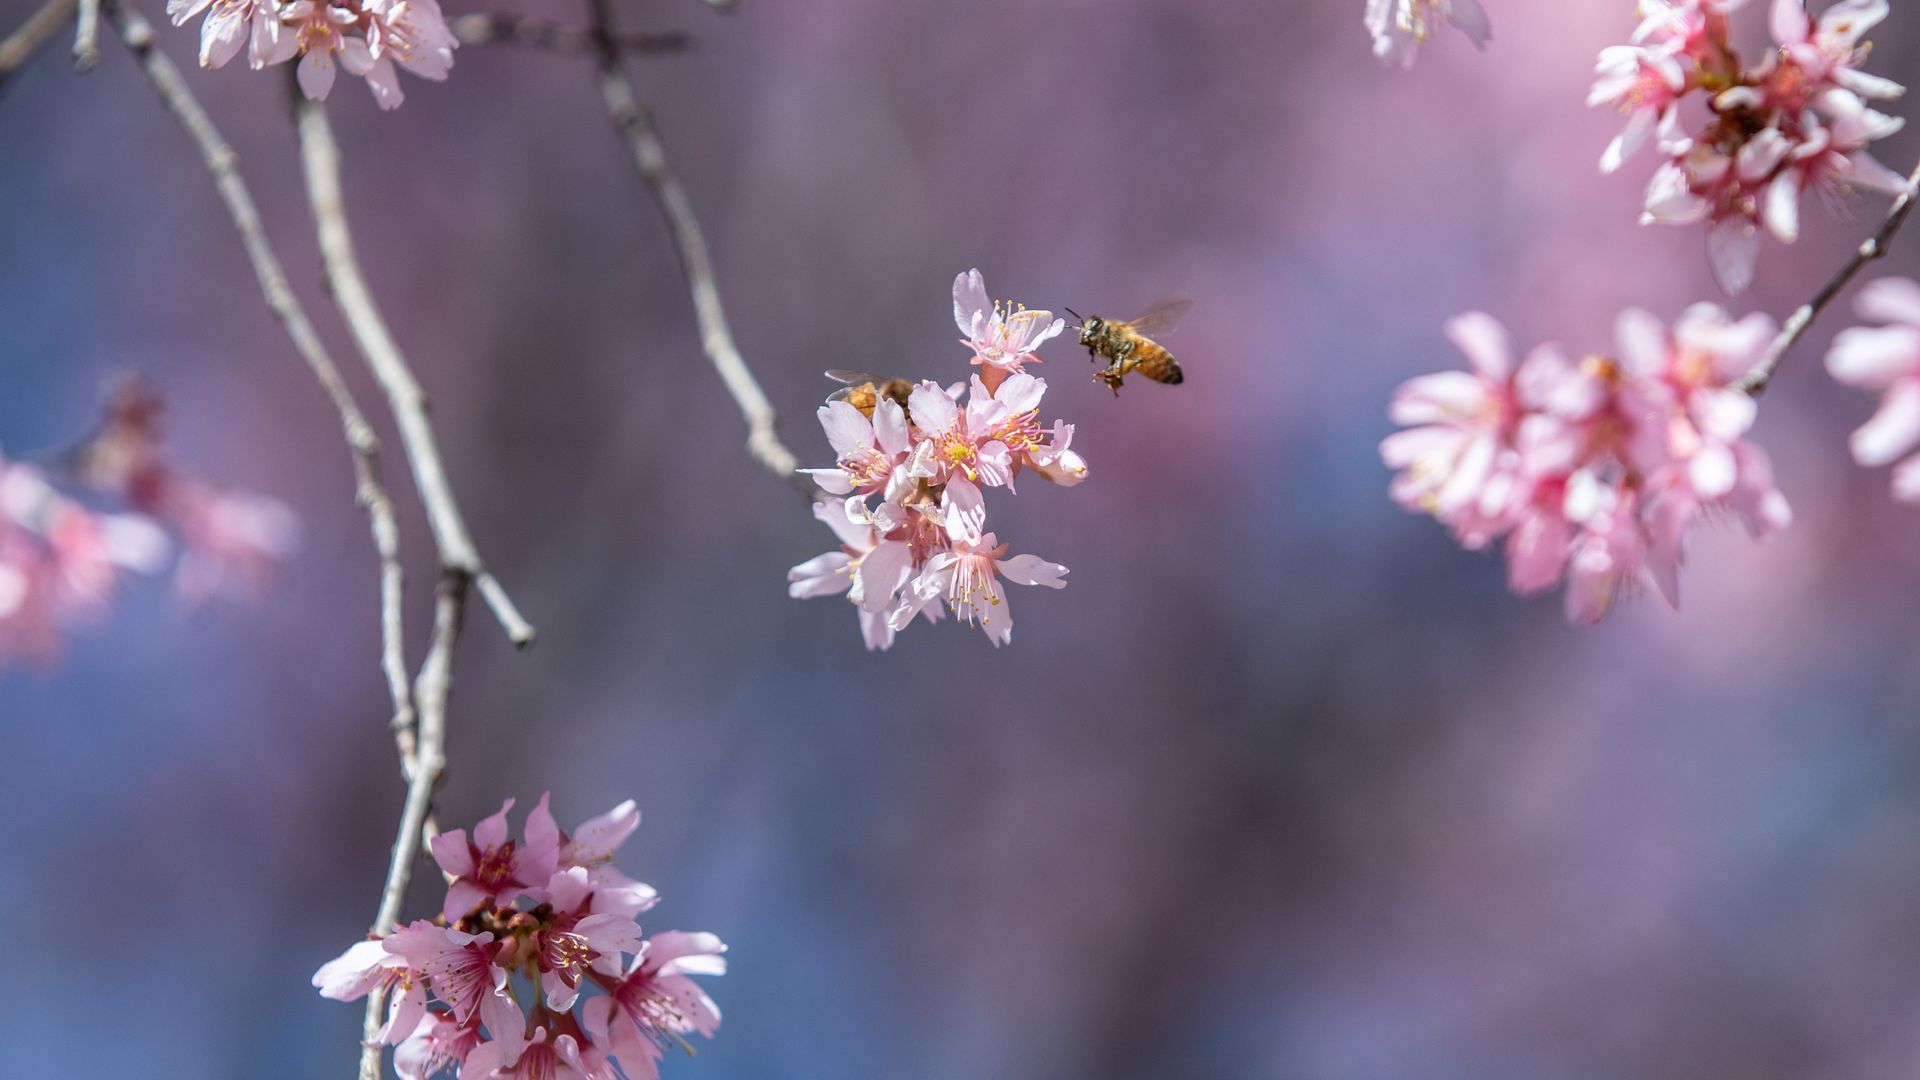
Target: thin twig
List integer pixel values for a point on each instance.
(636, 125)
(221, 162)
(320, 161)
(86, 36)
(1797, 324)
(23, 44)
(431, 692)
(507, 29)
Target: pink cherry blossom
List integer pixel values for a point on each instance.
(1593, 470)
(1400, 27)
(1794, 121)
(591, 847)
(868, 568)
(872, 451)
(569, 948)
(489, 866)
(656, 1004)
(438, 1045)
(916, 478)
(577, 937)
(1004, 337)
(366, 37)
(1886, 359)
(968, 577)
(538, 1059)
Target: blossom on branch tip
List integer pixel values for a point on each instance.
(366, 37)
(569, 949)
(1795, 121)
(1595, 470)
(930, 462)
(1004, 336)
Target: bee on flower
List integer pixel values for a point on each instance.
(923, 547)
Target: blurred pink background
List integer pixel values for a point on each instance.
(1284, 785)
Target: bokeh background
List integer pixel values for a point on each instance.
(1284, 785)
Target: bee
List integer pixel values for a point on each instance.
(865, 392)
(1126, 346)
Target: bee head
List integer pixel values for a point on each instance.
(1091, 330)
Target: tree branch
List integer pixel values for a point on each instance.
(23, 44)
(86, 36)
(635, 125)
(431, 691)
(221, 162)
(320, 162)
(547, 34)
(1797, 324)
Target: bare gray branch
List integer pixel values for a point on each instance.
(1873, 249)
(320, 162)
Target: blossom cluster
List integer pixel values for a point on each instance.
(1400, 27)
(927, 456)
(1593, 470)
(62, 555)
(497, 986)
(1886, 358)
(1766, 133)
(367, 37)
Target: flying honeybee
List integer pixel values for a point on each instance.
(1127, 347)
(864, 391)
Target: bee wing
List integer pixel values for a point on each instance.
(854, 380)
(1161, 318)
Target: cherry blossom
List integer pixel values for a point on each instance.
(1798, 120)
(967, 577)
(1400, 27)
(930, 464)
(1593, 470)
(655, 1005)
(366, 37)
(1886, 359)
(488, 866)
(568, 948)
(1004, 336)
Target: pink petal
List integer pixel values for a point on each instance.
(969, 300)
(1032, 570)
(1536, 553)
(1789, 22)
(933, 411)
(1893, 300)
(1894, 429)
(848, 430)
(882, 573)
(316, 75)
(599, 837)
(539, 858)
(451, 852)
(1733, 247)
(1484, 341)
(462, 896)
(492, 832)
(1873, 357)
(1443, 397)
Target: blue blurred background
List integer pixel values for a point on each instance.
(1285, 785)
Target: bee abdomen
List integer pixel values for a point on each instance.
(1158, 364)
